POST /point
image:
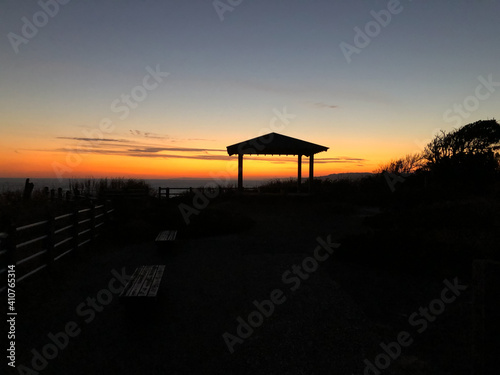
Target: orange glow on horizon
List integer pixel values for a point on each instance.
(34, 161)
(38, 165)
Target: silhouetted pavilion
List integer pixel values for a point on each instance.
(276, 144)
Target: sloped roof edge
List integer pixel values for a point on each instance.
(275, 144)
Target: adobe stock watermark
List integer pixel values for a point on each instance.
(419, 319)
(87, 310)
(460, 111)
(293, 277)
(211, 190)
(223, 6)
(121, 106)
(364, 36)
(31, 26)
(392, 179)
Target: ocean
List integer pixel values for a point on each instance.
(13, 184)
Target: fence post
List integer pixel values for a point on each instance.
(50, 238)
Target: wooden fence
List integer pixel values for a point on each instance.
(36, 246)
(167, 192)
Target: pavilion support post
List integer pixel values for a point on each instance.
(299, 173)
(311, 172)
(240, 172)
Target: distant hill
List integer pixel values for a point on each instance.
(346, 176)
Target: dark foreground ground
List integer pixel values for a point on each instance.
(330, 324)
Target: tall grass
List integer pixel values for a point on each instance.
(95, 187)
(367, 190)
(13, 208)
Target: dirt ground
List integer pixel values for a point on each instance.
(329, 324)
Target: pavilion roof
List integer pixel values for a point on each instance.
(275, 144)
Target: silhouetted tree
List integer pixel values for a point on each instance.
(465, 152)
(407, 164)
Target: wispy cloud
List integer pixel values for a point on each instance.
(291, 159)
(191, 140)
(134, 148)
(324, 105)
(127, 145)
(143, 153)
(178, 149)
(93, 139)
(339, 159)
(139, 133)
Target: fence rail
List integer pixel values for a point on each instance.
(169, 192)
(34, 247)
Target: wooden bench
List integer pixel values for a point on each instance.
(144, 283)
(166, 237)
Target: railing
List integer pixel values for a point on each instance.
(36, 246)
(168, 192)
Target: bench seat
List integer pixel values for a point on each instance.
(166, 235)
(145, 282)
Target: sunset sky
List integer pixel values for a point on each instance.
(158, 89)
